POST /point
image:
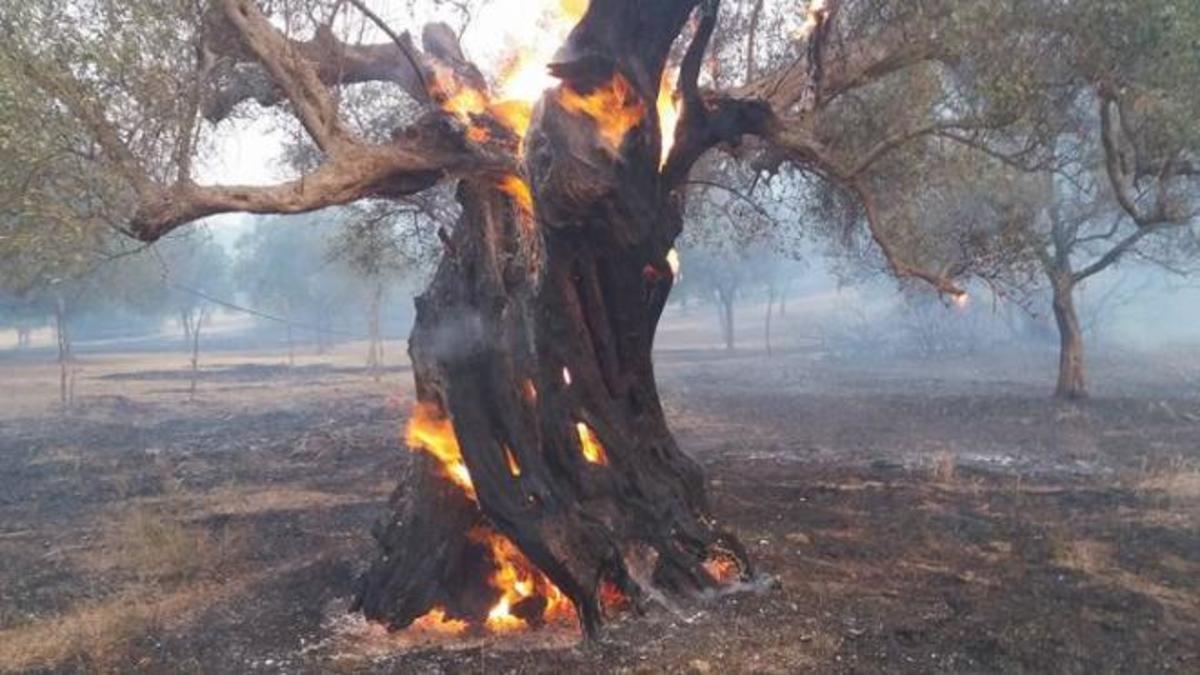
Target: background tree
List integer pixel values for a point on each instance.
(381, 242)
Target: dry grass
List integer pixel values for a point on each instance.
(1097, 559)
(154, 546)
(1179, 479)
(943, 467)
(96, 636)
(93, 636)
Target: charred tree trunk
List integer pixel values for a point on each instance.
(1071, 384)
(532, 348)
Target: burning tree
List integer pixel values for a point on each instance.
(549, 479)
(548, 483)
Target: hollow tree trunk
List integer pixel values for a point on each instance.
(533, 343)
(1071, 384)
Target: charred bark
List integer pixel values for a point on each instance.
(534, 343)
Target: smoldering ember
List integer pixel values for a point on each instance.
(599, 336)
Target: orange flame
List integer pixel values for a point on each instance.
(436, 621)
(429, 430)
(722, 567)
(522, 79)
(668, 114)
(812, 16)
(518, 189)
(513, 466)
(614, 107)
(517, 580)
(593, 450)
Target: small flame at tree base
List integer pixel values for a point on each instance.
(722, 566)
(436, 621)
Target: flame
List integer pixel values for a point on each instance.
(962, 300)
(566, 376)
(436, 621)
(517, 579)
(668, 113)
(673, 262)
(513, 466)
(518, 189)
(814, 14)
(530, 391)
(593, 450)
(513, 114)
(430, 430)
(722, 567)
(522, 78)
(613, 106)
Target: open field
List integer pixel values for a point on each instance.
(933, 515)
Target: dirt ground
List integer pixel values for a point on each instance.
(916, 516)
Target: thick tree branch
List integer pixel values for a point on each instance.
(241, 76)
(426, 154)
(1122, 181)
(293, 73)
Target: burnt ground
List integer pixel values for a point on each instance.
(918, 516)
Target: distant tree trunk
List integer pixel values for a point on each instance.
(291, 340)
(194, 329)
(375, 348)
(767, 327)
(319, 320)
(185, 322)
(1071, 384)
(725, 302)
(66, 390)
